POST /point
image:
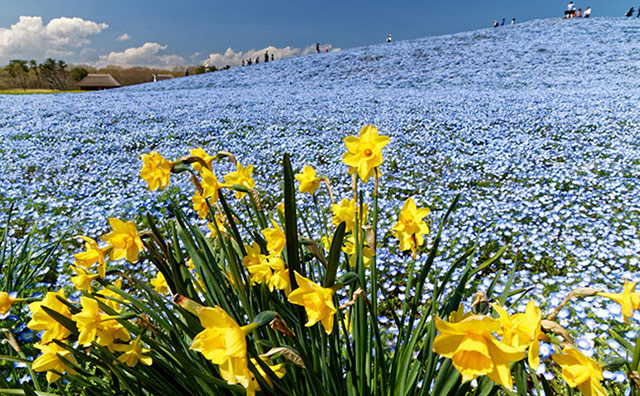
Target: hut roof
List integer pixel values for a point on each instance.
(99, 81)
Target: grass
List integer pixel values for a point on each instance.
(18, 91)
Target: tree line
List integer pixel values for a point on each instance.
(58, 75)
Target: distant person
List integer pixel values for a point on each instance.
(249, 62)
(155, 78)
(630, 12)
(495, 23)
(502, 23)
(266, 56)
(243, 62)
(272, 58)
(513, 21)
(388, 38)
(326, 50)
(186, 72)
(579, 13)
(571, 10)
(638, 16)
(317, 48)
(587, 12)
(257, 60)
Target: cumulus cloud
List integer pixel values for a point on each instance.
(147, 55)
(233, 58)
(123, 37)
(29, 37)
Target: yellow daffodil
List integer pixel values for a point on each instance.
(523, 330)
(410, 228)
(124, 239)
(364, 153)
(84, 278)
(309, 181)
(223, 342)
(50, 361)
(5, 302)
(159, 284)
(316, 300)
(257, 264)
(345, 211)
(278, 369)
(200, 205)
(280, 208)
(92, 255)
(628, 299)
(200, 153)
(111, 331)
(350, 249)
(133, 353)
(156, 170)
(580, 371)
(280, 279)
(459, 315)
(115, 305)
(240, 176)
(210, 186)
(474, 351)
(276, 240)
(40, 320)
(220, 221)
(87, 320)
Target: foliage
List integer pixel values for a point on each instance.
(260, 305)
(78, 73)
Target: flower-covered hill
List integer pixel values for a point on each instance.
(535, 124)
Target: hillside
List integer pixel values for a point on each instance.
(535, 124)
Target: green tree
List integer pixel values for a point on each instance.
(54, 73)
(19, 72)
(78, 73)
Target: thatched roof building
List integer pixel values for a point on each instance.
(98, 81)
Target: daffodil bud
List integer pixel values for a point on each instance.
(613, 363)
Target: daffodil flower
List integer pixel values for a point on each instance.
(628, 299)
(580, 371)
(345, 212)
(241, 176)
(93, 254)
(200, 153)
(200, 205)
(50, 361)
(133, 353)
(523, 330)
(40, 320)
(84, 278)
(159, 284)
(364, 153)
(316, 300)
(410, 228)
(156, 170)
(276, 240)
(124, 239)
(474, 350)
(309, 181)
(88, 320)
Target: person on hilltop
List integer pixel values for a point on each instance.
(272, 58)
(513, 21)
(257, 60)
(587, 12)
(579, 13)
(317, 48)
(502, 23)
(630, 12)
(495, 23)
(388, 38)
(266, 56)
(571, 10)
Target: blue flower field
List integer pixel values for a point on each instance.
(536, 125)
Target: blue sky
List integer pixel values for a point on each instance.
(171, 33)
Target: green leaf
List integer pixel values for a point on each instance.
(291, 224)
(334, 255)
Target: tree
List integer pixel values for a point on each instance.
(78, 73)
(54, 73)
(19, 71)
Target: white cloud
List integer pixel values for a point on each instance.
(29, 37)
(233, 58)
(123, 37)
(146, 55)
